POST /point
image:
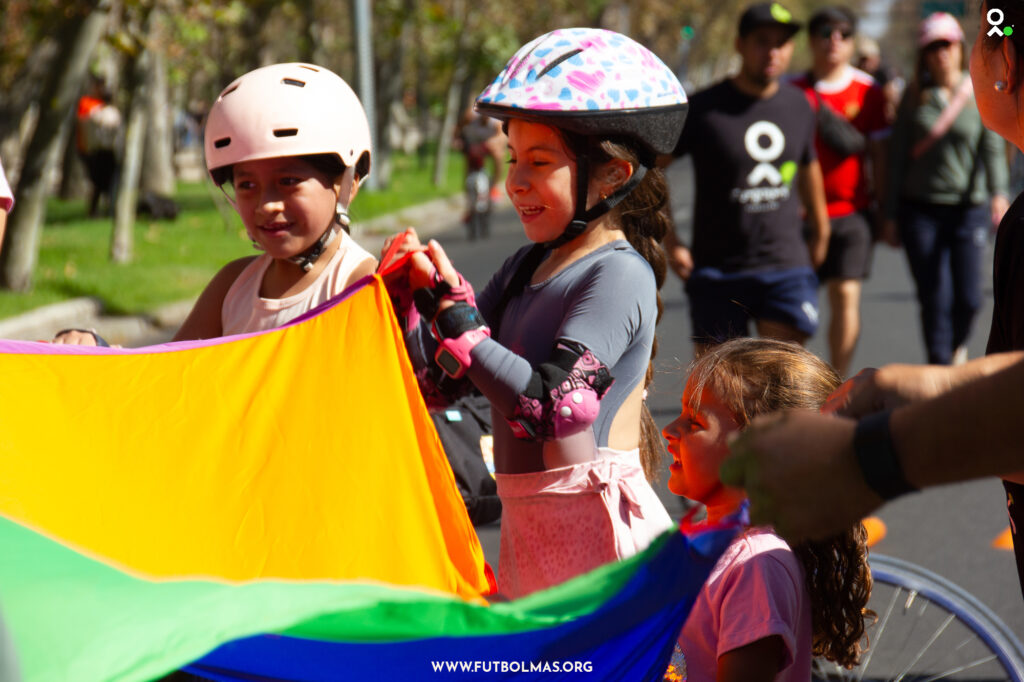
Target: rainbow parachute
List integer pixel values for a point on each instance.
(277, 506)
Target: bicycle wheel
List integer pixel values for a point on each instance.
(929, 628)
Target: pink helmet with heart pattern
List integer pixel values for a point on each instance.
(592, 82)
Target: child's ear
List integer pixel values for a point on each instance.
(615, 174)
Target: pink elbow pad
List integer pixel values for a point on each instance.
(574, 411)
(566, 408)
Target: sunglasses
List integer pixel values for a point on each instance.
(937, 45)
(826, 32)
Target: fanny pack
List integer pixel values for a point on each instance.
(835, 130)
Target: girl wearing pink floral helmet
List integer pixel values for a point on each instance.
(561, 339)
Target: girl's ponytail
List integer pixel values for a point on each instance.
(643, 217)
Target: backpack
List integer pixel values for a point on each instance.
(465, 431)
(102, 128)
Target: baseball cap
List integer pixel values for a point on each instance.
(768, 14)
(939, 26)
(835, 16)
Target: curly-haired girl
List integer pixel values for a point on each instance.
(767, 608)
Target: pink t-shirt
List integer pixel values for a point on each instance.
(755, 590)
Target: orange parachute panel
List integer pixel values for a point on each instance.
(304, 452)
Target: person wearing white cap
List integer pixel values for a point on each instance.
(947, 188)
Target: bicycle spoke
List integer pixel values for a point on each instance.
(927, 646)
(878, 635)
(960, 669)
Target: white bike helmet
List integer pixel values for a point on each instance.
(592, 82)
(286, 110)
(290, 110)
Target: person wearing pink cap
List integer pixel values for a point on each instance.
(947, 187)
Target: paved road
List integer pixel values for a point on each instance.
(949, 530)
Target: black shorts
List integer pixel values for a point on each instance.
(723, 304)
(849, 249)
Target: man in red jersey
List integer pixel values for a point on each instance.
(850, 176)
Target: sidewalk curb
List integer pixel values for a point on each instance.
(429, 218)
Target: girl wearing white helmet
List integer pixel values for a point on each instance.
(289, 143)
(560, 341)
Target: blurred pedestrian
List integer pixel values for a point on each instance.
(751, 138)
(870, 60)
(947, 188)
(852, 133)
(97, 134)
(6, 203)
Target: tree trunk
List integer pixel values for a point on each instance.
(21, 250)
(74, 183)
(159, 154)
(453, 103)
(24, 91)
(389, 95)
(122, 239)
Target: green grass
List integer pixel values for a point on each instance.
(174, 260)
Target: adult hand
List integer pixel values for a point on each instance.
(680, 260)
(890, 233)
(873, 390)
(999, 206)
(800, 473)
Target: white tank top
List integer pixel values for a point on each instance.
(244, 310)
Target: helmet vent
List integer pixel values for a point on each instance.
(567, 55)
(286, 132)
(228, 92)
(222, 142)
(292, 81)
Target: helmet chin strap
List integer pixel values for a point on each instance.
(308, 258)
(584, 215)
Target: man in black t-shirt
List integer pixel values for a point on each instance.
(752, 142)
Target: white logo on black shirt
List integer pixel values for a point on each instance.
(765, 143)
(764, 155)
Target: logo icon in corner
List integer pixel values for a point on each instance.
(995, 19)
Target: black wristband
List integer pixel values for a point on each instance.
(881, 468)
(457, 319)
